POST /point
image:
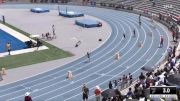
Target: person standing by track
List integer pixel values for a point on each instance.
(88, 56)
(8, 47)
(85, 91)
(53, 29)
(161, 41)
(97, 93)
(27, 97)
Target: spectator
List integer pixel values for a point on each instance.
(38, 43)
(97, 93)
(161, 41)
(130, 78)
(136, 94)
(118, 95)
(126, 81)
(53, 29)
(169, 50)
(104, 99)
(8, 47)
(48, 36)
(85, 91)
(129, 93)
(110, 85)
(141, 78)
(173, 36)
(43, 36)
(154, 3)
(123, 81)
(174, 51)
(27, 97)
(140, 90)
(115, 83)
(120, 83)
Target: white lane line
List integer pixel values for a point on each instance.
(73, 71)
(99, 77)
(98, 64)
(106, 75)
(60, 66)
(59, 71)
(109, 64)
(120, 72)
(106, 66)
(146, 62)
(84, 66)
(97, 53)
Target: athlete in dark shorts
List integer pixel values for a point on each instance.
(88, 56)
(85, 91)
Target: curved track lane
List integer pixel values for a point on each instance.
(53, 85)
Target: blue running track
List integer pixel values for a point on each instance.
(53, 85)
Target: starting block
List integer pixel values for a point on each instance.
(140, 44)
(69, 75)
(3, 71)
(117, 56)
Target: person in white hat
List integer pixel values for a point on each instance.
(27, 97)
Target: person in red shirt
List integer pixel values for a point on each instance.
(97, 93)
(27, 97)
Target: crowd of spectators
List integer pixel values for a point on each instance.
(156, 78)
(44, 1)
(122, 82)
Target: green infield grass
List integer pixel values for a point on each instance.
(14, 61)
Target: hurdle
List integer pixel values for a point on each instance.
(140, 44)
(69, 75)
(117, 56)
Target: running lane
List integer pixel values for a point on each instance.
(53, 85)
